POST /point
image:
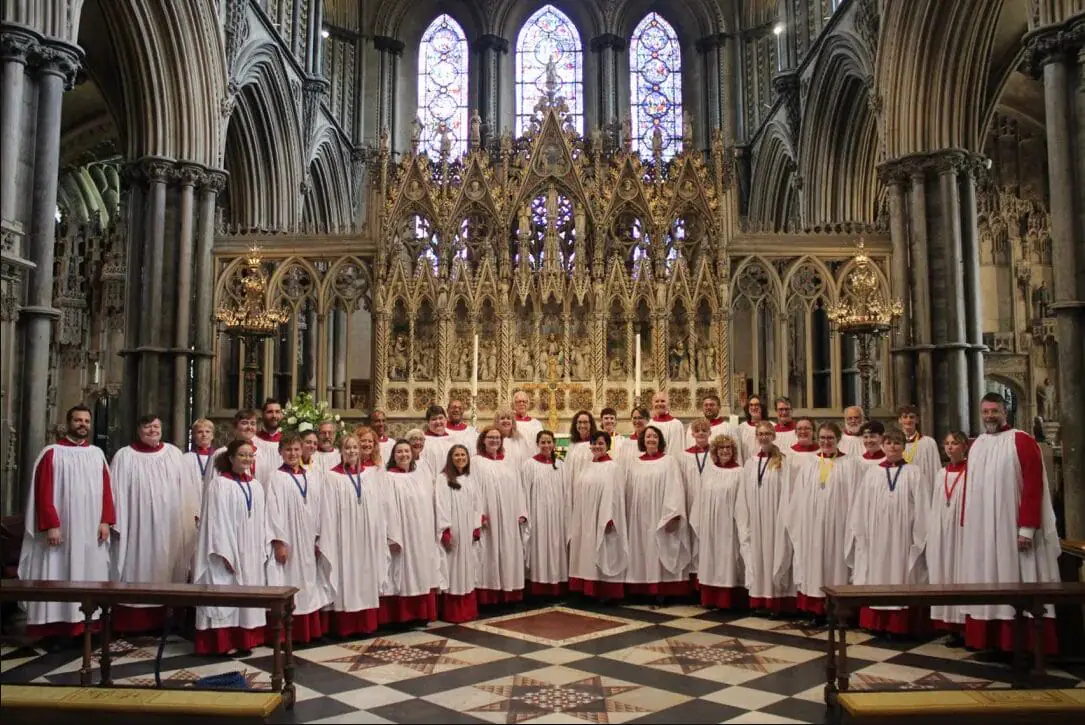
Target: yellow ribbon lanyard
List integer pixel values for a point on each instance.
(825, 471)
(910, 449)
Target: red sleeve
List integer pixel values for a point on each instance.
(109, 515)
(45, 510)
(1032, 480)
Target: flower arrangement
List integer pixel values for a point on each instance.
(303, 414)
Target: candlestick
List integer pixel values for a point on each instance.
(636, 379)
(474, 370)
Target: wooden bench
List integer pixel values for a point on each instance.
(842, 601)
(92, 596)
(961, 707)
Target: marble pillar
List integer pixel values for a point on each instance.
(213, 183)
(973, 291)
(903, 363)
(608, 47)
(488, 51)
(950, 342)
(711, 51)
(190, 175)
(390, 51)
(1056, 53)
(920, 290)
(15, 46)
(150, 347)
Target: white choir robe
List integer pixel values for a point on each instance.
(385, 446)
(530, 428)
(506, 531)
(799, 454)
(785, 436)
(923, 452)
(871, 459)
(760, 509)
(577, 455)
(324, 461)
(354, 546)
(268, 459)
(149, 495)
(72, 492)
(234, 529)
(719, 569)
(464, 434)
(816, 523)
(747, 438)
(195, 466)
(295, 506)
(415, 572)
(887, 527)
(547, 503)
(658, 559)
(435, 452)
(627, 452)
(1008, 496)
(459, 519)
(945, 537)
(518, 450)
(693, 463)
(674, 433)
(261, 465)
(597, 531)
(719, 427)
(852, 445)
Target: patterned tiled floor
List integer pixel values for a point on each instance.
(562, 664)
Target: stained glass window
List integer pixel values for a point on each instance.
(655, 61)
(549, 35)
(442, 86)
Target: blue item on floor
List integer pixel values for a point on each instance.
(224, 681)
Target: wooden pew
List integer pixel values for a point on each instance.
(964, 707)
(92, 596)
(842, 601)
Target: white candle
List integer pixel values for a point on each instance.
(97, 372)
(636, 380)
(474, 372)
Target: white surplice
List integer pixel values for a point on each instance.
(577, 455)
(268, 459)
(71, 492)
(852, 445)
(923, 452)
(529, 428)
(460, 512)
(693, 464)
(435, 452)
(149, 494)
(233, 528)
(747, 437)
(718, 427)
(713, 524)
(518, 450)
(416, 568)
(785, 436)
(195, 465)
(324, 461)
(547, 503)
(654, 495)
(466, 436)
(504, 538)
(295, 505)
(674, 433)
(354, 536)
(761, 506)
(798, 456)
(945, 535)
(598, 499)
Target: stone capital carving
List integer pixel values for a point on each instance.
(786, 85)
(710, 42)
(59, 59)
(491, 42)
(917, 166)
(16, 44)
(1053, 44)
(190, 174)
(316, 85)
(157, 171)
(386, 44)
(214, 181)
(607, 40)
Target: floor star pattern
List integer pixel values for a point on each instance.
(693, 657)
(588, 699)
(421, 657)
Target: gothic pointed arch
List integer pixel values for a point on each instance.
(773, 199)
(548, 41)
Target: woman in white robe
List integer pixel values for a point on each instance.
(578, 453)
(872, 432)
(234, 548)
(354, 545)
(196, 464)
(518, 449)
(760, 508)
(415, 573)
(693, 462)
(624, 449)
(655, 504)
(505, 523)
(596, 529)
(747, 429)
(804, 448)
(295, 499)
(945, 533)
(547, 506)
(712, 520)
(459, 518)
(438, 440)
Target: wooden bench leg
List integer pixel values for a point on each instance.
(288, 687)
(1039, 666)
(277, 647)
(86, 672)
(107, 639)
(843, 679)
(830, 659)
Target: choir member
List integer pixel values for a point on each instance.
(235, 543)
(295, 500)
(719, 569)
(817, 519)
(459, 517)
(785, 424)
(760, 508)
(719, 426)
(596, 530)
(529, 427)
(655, 504)
(672, 430)
(354, 545)
(416, 437)
(244, 429)
(196, 464)
(546, 491)
(747, 430)
(267, 440)
(437, 441)
(919, 449)
(873, 431)
(887, 525)
(518, 449)
(67, 529)
(505, 529)
(1009, 526)
(608, 422)
(625, 449)
(692, 463)
(945, 533)
(578, 454)
(804, 448)
(326, 456)
(378, 421)
(852, 440)
(415, 571)
(149, 499)
(459, 430)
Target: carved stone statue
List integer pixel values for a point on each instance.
(399, 359)
(1045, 400)
(446, 140)
(1041, 298)
(616, 367)
(687, 131)
(706, 363)
(416, 132)
(657, 141)
(679, 362)
(476, 130)
(578, 364)
(523, 368)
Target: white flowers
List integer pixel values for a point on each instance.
(305, 427)
(292, 420)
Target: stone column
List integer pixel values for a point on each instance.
(489, 49)
(1056, 53)
(973, 293)
(608, 47)
(339, 362)
(920, 288)
(950, 324)
(903, 362)
(189, 176)
(54, 66)
(157, 173)
(214, 182)
(15, 45)
(390, 50)
(711, 49)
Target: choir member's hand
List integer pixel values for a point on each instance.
(228, 565)
(476, 534)
(103, 533)
(316, 550)
(609, 528)
(54, 537)
(446, 539)
(394, 547)
(523, 519)
(281, 551)
(1024, 543)
(672, 525)
(485, 522)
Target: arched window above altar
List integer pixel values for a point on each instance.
(655, 63)
(549, 35)
(442, 86)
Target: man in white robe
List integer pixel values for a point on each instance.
(919, 449)
(460, 431)
(674, 433)
(244, 429)
(378, 421)
(719, 426)
(438, 441)
(852, 440)
(785, 424)
(196, 464)
(527, 426)
(873, 432)
(1009, 526)
(152, 526)
(267, 440)
(326, 456)
(67, 530)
